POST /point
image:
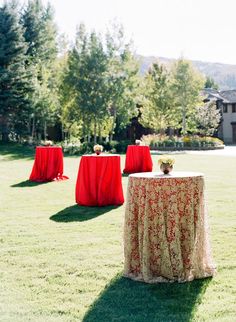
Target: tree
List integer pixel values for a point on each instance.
(40, 34)
(123, 79)
(210, 83)
(86, 78)
(158, 109)
(208, 118)
(186, 86)
(14, 75)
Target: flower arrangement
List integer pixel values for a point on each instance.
(48, 143)
(166, 164)
(98, 148)
(137, 142)
(166, 160)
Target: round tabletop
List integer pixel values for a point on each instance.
(174, 174)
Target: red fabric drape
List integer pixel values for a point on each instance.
(138, 159)
(99, 181)
(48, 164)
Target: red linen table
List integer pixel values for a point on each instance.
(48, 164)
(99, 181)
(138, 159)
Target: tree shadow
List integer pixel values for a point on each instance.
(28, 183)
(14, 151)
(126, 300)
(80, 213)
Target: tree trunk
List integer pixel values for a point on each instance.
(184, 120)
(33, 128)
(62, 133)
(45, 130)
(113, 125)
(5, 131)
(95, 131)
(5, 137)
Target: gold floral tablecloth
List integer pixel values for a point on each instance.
(166, 230)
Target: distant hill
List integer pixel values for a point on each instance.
(223, 74)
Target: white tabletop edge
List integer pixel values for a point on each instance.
(173, 174)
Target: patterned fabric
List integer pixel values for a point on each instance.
(166, 230)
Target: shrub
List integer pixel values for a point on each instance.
(121, 146)
(76, 147)
(156, 141)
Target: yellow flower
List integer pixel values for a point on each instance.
(48, 142)
(165, 159)
(97, 147)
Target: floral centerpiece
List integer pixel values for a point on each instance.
(48, 143)
(98, 149)
(166, 164)
(137, 142)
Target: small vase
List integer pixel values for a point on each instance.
(166, 168)
(98, 152)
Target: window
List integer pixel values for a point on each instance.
(234, 108)
(225, 108)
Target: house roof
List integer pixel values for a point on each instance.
(212, 94)
(228, 96)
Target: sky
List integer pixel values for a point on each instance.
(194, 29)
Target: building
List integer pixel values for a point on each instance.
(226, 102)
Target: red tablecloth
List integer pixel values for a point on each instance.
(138, 159)
(99, 181)
(48, 164)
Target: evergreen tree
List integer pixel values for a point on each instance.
(14, 75)
(210, 83)
(40, 34)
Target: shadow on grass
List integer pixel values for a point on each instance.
(126, 300)
(28, 183)
(14, 151)
(80, 213)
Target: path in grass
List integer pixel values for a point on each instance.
(62, 262)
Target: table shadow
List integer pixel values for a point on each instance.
(126, 300)
(27, 183)
(14, 151)
(80, 213)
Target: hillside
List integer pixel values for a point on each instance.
(223, 74)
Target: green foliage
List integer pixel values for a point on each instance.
(210, 83)
(158, 141)
(122, 145)
(85, 78)
(102, 81)
(122, 79)
(75, 147)
(208, 118)
(40, 35)
(186, 86)
(15, 77)
(157, 111)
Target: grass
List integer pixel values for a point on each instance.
(63, 262)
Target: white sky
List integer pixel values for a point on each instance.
(196, 29)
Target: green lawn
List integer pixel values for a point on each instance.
(62, 262)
